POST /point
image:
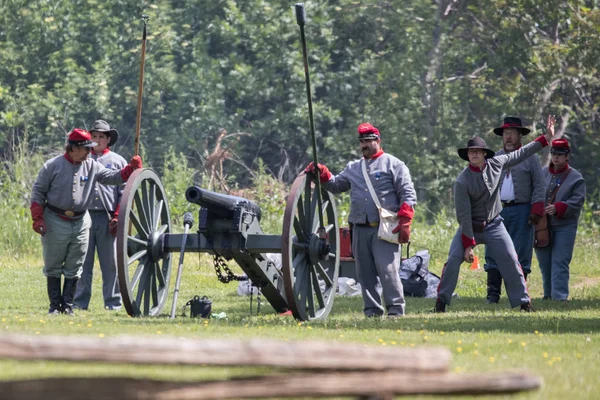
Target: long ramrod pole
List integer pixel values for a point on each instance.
(138, 117)
(301, 20)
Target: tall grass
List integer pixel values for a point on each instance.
(17, 173)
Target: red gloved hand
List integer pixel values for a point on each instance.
(324, 175)
(134, 163)
(37, 214)
(403, 229)
(112, 226)
(114, 222)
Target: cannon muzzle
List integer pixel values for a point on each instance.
(219, 204)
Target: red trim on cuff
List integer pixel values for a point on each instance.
(117, 209)
(467, 242)
(561, 209)
(406, 211)
(538, 208)
(542, 140)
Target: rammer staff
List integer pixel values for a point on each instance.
(301, 20)
(138, 118)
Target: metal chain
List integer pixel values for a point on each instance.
(220, 266)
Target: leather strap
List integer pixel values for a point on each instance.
(369, 184)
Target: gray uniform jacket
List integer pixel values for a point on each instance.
(69, 186)
(527, 180)
(571, 193)
(110, 195)
(390, 178)
(477, 193)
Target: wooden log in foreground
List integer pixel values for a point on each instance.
(380, 384)
(215, 352)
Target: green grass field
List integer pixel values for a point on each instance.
(560, 342)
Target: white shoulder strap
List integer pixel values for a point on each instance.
(369, 184)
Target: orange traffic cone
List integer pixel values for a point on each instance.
(475, 263)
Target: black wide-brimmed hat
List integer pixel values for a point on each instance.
(475, 143)
(101, 125)
(514, 123)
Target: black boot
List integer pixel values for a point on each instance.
(525, 273)
(527, 307)
(440, 306)
(68, 295)
(54, 295)
(494, 286)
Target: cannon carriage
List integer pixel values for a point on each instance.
(229, 229)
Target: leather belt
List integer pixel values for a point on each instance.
(370, 224)
(511, 203)
(66, 213)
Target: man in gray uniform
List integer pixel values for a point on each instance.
(104, 213)
(377, 261)
(522, 197)
(59, 201)
(563, 216)
(477, 203)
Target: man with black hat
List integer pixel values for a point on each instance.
(104, 213)
(564, 198)
(59, 201)
(477, 203)
(377, 261)
(522, 197)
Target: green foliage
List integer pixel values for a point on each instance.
(429, 75)
(17, 175)
(271, 195)
(176, 178)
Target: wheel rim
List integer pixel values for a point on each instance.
(144, 272)
(310, 280)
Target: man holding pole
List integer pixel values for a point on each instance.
(104, 213)
(377, 261)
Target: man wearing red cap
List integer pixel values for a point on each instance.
(477, 203)
(104, 213)
(377, 261)
(564, 196)
(59, 201)
(522, 196)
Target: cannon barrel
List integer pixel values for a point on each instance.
(220, 204)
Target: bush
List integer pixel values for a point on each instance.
(17, 175)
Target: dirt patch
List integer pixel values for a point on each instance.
(587, 282)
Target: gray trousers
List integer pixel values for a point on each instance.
(501, 248)
(377, 268)
(64, 245)
(101, 239)
(555, 259)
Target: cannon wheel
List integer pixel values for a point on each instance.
(144, 272)
(310, 281)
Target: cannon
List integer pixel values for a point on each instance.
(229, 229)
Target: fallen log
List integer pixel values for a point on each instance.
(372, 384)
(218, 352)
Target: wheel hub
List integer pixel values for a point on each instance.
(318, 249)
(155, 244)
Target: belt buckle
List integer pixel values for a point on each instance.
(69, 213)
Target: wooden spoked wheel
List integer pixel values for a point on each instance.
(310, 264)
(144, 270)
